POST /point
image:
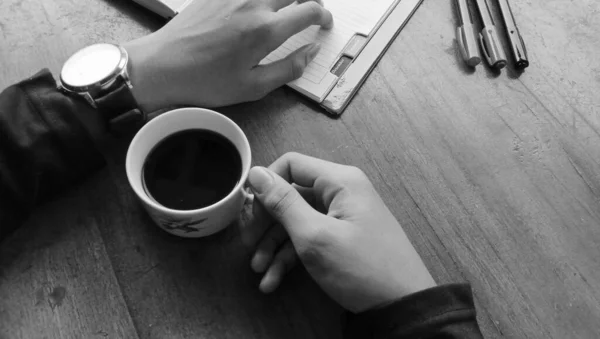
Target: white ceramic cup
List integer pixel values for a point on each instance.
(192, 223)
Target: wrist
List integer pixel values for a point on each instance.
(396, 283)
(145, 75)
(421, 279)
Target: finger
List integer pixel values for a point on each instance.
(303, 169)
(257, 221)
(283, 202)
(295, 19)
(284, 261)
(267, 247)
(252, 230)
(327, 180)
(279, 4)
(276, 74)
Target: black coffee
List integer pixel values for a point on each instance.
(192, 169)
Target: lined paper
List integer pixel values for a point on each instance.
(350, 17)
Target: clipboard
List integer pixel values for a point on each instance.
(370, 51)
(346, 68)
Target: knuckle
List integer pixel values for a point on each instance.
(318, 237)
(255, 30)
(241, 35)
(261, 25)
(281, 200)
(314, 9)
(289, 156)
(263, 29)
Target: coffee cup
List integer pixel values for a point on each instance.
(202, 221)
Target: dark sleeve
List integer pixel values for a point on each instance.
(443, 312)
(44, 148)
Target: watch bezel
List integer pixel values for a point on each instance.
(104, 84)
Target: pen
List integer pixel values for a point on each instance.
(514, 36)
(465, 35)
(490, 44)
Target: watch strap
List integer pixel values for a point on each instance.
(120, 110)
(118, 101)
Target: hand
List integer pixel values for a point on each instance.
(209, 54)
(342, 231)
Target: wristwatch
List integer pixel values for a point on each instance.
(98, 73)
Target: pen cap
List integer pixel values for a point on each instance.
(492, 48)
(517, 45)
(467, 43)
(519, 50)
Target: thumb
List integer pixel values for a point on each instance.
(279, 73)
(282, 201)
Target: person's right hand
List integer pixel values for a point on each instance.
(209, 54)
(348, 240)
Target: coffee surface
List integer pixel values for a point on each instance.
(192, 169)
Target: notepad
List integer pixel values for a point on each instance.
(351, 17)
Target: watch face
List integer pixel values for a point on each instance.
(91, 65)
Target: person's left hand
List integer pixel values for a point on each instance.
(209, 54)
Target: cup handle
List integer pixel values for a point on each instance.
(248, 197)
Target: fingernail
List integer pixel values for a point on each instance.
(313, 50)
(268, 284)
(259, 179)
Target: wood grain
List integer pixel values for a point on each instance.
(494, 176)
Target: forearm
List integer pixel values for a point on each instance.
(441, 312)
(44, 147)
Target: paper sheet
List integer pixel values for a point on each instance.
(350, 17)
(165, 8)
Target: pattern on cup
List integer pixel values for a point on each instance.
(184, 226)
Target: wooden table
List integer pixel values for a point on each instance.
(494, 176)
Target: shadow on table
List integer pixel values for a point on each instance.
(206, 285)
(512, 72)
(466, 69)
(202, 287)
